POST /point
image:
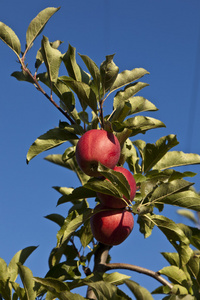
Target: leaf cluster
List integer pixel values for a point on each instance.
(81, 96)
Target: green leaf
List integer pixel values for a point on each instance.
(127, 77)
(83, 91)
(146, 225)
(19, 257)
(76, 194)
(85, 234)
(37, 25)
(172, 258)
(175, 236)
(192, 234)
(64, 93)
(71, 224)
(73, 69)
(93, 69)
(3, 270)
(22, 76)
(177, 158)
(19, 292)
(115, 278)
(28, 282)
(140, 104)
(129, 154)
(117, 179)
(138, 291)
(175, 274)
(70, 164)
(52, 59)
(58, 219)
(188, 199)
(180, 297)
(188, 214)
(5, 287)
(104, 187)
(58, 288)
(65, 270)
(50, 139)
(104, 290)
(126, 94)
(8, 36)
(169, 188)
(154, 152)
(109, 72)
(138, 124)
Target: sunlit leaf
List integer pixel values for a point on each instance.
(138, 291)
(73, 69)
(93, 69)
(172, 258)
(76, 194)
(115, 278)
(52, 59)
(58, 288)
(127, 77)
(70, 164)
(138, 124)
(104, 187)
(38, 23)
(169, 188)
(154, 152)
(104, 290)
(50, 139)
(3, 270)
(19, 257)
(28, 282)
(175, 236)
(175, 274)
(140, 104)
(83, 91)
(85, 234)
(188, 199)
(146, 225)
(8, 36)
(109, 72)
(188, 214)
(65, 270)
(66, 96)
(192, 233)
(71, 224)
(117, 179)
(177, 158)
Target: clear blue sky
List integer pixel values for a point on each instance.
(160, 36)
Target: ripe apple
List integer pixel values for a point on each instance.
(97, 145)
(114, 202)
(111, 227)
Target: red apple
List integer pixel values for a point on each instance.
(113, 226)
(114, 202)
(97, 145)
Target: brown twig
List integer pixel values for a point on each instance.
(100, 258)
(39, 88)
(155, 275)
